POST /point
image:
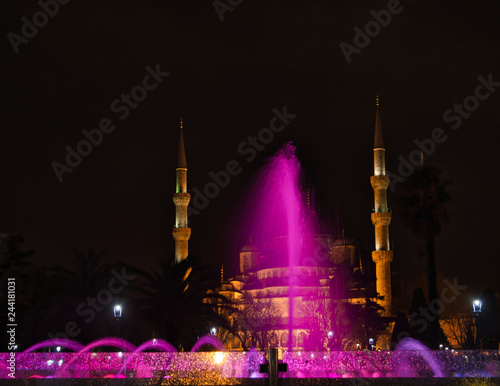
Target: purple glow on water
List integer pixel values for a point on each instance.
(103, 342)
(413, 345)
(210, 340)
(66, 343)
(280, 223)
(213, 367)
(157, 344)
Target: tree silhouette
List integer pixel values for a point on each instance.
(424, 206)
(179, 302)
(16, 263)
(81, 303)
(488, 321)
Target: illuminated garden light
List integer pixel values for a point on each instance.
(213, 331)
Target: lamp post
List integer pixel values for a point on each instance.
(213, 331)
(370, 342)
(117, 312)
(330, 339)
(477, 306)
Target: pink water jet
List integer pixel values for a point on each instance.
(65, 343)
(210, 340)
(280, 220)
(156, 344)
(111, 342)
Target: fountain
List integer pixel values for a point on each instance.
(278, 217)
(410, 360)
(282, 222)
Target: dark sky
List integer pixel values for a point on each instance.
(225, 79)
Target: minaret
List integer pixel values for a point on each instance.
(381, 218)
(181, 231)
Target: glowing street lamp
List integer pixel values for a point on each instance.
(330, 334)
(213, 331)
(477, 305)
(117, 311)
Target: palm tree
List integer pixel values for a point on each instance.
(180, 302)
(15, 262)
(73, 286)
(424, 207)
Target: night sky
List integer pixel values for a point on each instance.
(225, 78)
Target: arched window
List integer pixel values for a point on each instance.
(284, 339)
(302, 338)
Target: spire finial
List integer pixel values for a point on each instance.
(181, 157)
(379, 141)
(222, 273)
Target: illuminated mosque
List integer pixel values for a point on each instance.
(262, 288)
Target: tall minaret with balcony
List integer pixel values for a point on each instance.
(381, 218)
(181, 231)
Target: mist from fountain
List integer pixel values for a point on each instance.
(279, 221)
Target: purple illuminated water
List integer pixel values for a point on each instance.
(413, 346)
(412, 359)
(64, 343)
(103, 342)
(156, 344)
(278, 220)
(208, 340)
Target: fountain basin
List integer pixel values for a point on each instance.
(223, 367)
